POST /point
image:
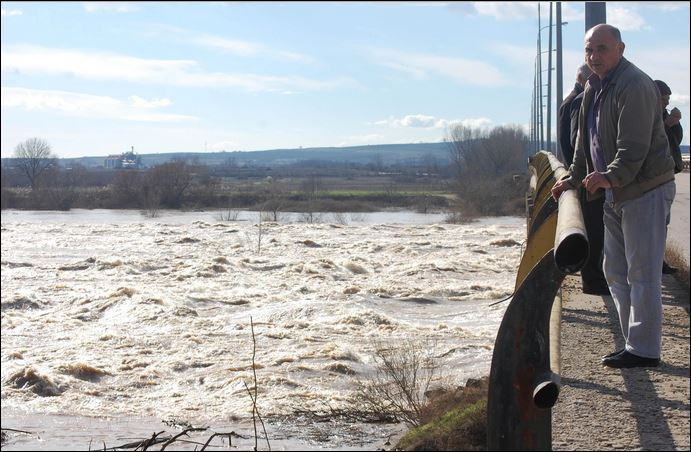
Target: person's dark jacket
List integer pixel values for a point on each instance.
(575, 108)
(567, 136)
(674, 136)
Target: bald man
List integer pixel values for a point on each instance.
(622, 154)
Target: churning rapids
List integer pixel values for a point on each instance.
(150, 317)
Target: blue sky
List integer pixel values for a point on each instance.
(96, 78)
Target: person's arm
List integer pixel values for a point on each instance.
(566, 154)
(577, 170)
(674, 136)
(575, 110)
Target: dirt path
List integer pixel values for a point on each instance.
(621, 409)
(678, 232)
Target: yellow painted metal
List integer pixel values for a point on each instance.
(539, 244)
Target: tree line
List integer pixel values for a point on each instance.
(480, 179)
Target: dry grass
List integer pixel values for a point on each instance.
(676, 259)
(452, 420)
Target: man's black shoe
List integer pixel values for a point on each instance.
(667, 269)
(596, 290)
(625, 360)
(613, 354)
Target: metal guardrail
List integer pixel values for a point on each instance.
(524, 378)
(686, 158)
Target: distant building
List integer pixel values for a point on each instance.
(124, 160)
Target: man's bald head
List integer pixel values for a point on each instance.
(603, 49)
(605, 28)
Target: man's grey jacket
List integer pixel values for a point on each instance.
(631, 133)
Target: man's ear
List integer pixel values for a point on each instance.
(621, 48)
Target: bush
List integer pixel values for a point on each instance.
(400, 383)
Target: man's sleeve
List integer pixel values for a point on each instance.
(638, 107)
(674, 136)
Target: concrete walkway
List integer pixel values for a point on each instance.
(678, 232)
(625, 409)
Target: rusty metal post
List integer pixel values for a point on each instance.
(524, 380)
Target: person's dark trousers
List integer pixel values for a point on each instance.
(592, 276)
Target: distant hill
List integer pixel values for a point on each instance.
(384, 153)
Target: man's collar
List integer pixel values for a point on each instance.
(610, 75)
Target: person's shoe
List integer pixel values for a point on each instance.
(667, 269)
(613, 354)
(597, 289)
(625, 360)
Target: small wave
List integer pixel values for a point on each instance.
(218, 268)
(355, 268)
(83, 371)
(340, 368)
(123, 291)
(39, 384)
(16, 264)
(187, 240)
(265, 267)
(505, 242)
(237, 302)
(109, 265)
(83, 265)
(180, 366)
(184, 311)
(20, 303)
(310, 243)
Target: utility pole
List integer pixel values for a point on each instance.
(595, 13)
(549, 83)
(539, 79)
(560, 75)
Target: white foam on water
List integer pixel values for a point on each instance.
(152, 318)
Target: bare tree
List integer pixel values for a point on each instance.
(34, 157)
(171, 181)
(485, 163)
(311, 187)
(274, 198)
(464, 143)
(59, 186)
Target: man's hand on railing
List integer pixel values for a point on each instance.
(559, 188)
(595, 181)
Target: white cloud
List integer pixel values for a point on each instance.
(626, 19)
(110, 7)
(138, 102)
(507, 10)
(87, 105)
(237, 47)
(476, 123)
(226, 45)
(109, 66)
(662, 6)
(473, 72)
(431, 122)
(659, 66)
(13, 12)
(668, 6)
(679, 100)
